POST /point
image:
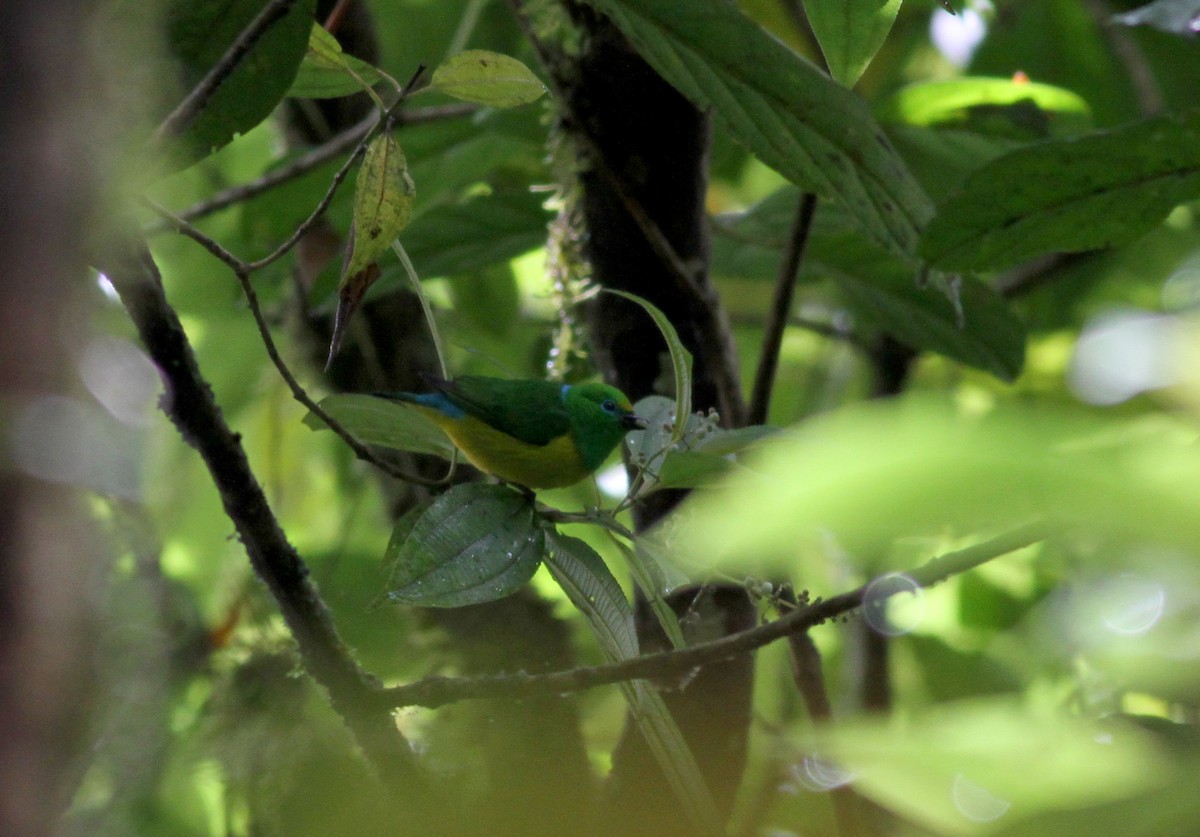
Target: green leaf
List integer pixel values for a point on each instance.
(850, 32)
(383, 201)
(388, 424)
(475, 543)
(945, 767)
(992, 106)
(837, 477)
(487, 78)
(681, 361)
(792, 116)
(199, 33)
(327, 73)
(1072, 195)
(590, 586)
(977, 327)
(588, 583)
(476, 234)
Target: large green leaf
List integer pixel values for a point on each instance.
(850, 32)
(872, 474)
(199, 33)
(1072, 195)
(791, 115)
(475, 543)
(973, 325)
(950, 769)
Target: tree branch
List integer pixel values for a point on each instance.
(195, 101)
(190, 404)
(242, 271)
(433, 692)
(781, 306)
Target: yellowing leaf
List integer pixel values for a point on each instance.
(383, 200)
(487, 78)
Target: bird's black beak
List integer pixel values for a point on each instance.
(631, 422)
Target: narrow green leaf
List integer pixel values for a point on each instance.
(1071, 195)
(383, 200)
(649, 578)
(588, 583)
(327, 73)
(487, 78)
(792, 116)
(681, 361)
(199, 33)
(475, 543)
(980, 330)
(590, 586)
(850, 32)
(388, 424)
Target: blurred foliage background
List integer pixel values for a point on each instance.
(1049, 375)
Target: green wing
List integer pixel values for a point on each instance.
(531, 411)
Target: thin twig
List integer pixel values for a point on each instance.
(781, 306)
(195, 101)
(439, 691)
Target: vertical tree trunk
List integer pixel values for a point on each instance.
(45, 548)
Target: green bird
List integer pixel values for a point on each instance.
(538, 434)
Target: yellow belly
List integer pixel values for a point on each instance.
(552, 465)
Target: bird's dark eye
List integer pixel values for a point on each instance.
(608, 405)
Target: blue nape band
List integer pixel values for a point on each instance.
(438, 401)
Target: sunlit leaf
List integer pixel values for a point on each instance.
(951, 769)
(995, 106)
(872, 474)
(475, 543)
(487, 78)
